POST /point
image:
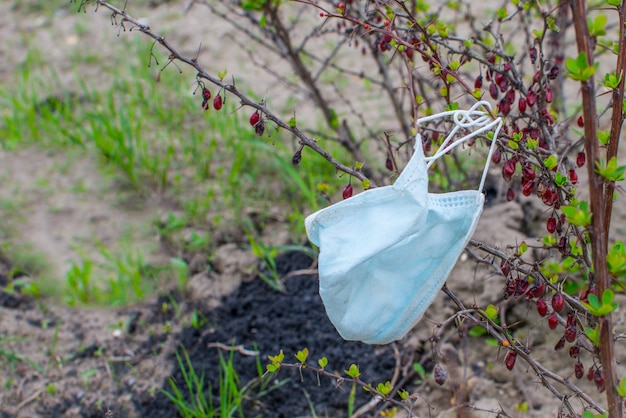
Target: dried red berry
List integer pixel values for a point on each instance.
(496, 157)
(509, 168)
(528, 188)
(493, 91)
(537, 290)
(440, 374)
(478, 83)
(560, 344)
(297, 157)
(347, 192)
(510, 194)
(580, 121)
(573, 177)
(570, 333)
(571, 320)
(551, 224)
(532, 52)
(259, 128)
(255, 118)
(553, 321)
(581, 159)
(542, 307)
(549, 94)
(574, 352)
(598, 379)
(554, 72)
(217, 102)
(579, 370)
(505, 266)
(558, 302)
(509, 360)
(388, 164)
(521, 104)
(590, 373)
(521, 287)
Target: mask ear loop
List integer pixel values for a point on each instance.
(463, 119)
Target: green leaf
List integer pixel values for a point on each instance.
(292, 122)
(523, 247)
(550, 162)
(597, 26)
(502, 14)
(322, 362)
(578, 69)
(560, 179)
(421, 372)
(615, 3)
(611, 81)
(513, 144)
(272, 368)
(593, 334)
(601, 308)
(353, 371)
(578, 216)
(302, 355)
(621, 389)
(616, 259)
(491, 312)
(403, 394)
(604, 136)
(384, 388)
(610, 171)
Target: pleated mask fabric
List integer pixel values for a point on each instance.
(386, 252)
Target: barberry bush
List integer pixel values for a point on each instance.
(554, 72)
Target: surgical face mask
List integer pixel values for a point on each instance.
(385, 253)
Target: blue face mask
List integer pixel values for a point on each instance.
(385, 253)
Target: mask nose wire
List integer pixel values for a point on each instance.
(464, 119)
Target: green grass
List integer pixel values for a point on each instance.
(152, 139)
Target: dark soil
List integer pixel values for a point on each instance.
(260, 318)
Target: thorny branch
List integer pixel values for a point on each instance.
(174, 55)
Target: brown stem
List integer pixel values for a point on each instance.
(617, 115)
(597, 232)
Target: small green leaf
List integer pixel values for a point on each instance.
(550, 162)
(616, 259)
(578, 216)
(366, 184)
(593, 334)
(403, 394)
(513, 144)
(523, 247)
(292, 122)
(502, 14)
(272, 368)
(604, 136)
(621, 389)
(560, 179)
(491, 312)
(421, 372)
(615, 3)
(610, 171)
(302, 355)
(601, 308)
(322, 362)
(353, 371)
(384, 388)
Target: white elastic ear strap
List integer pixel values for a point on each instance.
(463, 119)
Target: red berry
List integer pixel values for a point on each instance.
(217, 102)
(440, 374)
(206, 93)
(259, 128)
(571, 320)
(598, 379)
(510, 194)
(297, 157)
(386, 38)
(580, 121)
(532, 52)
(549, 95)
(590, 373)
(521, 287)
(528, 172)
(551, 224)
(505, 266)
(554, 72)
(347, 192)
(574, 351)
(478, 83)
(531, 98)
(493, 91)
(570, 333)
(509, 360)
(254, 118)
(537, 290)
(553, 321)
(580, 159)
(388, 164)
(573, 177)
(558, 302)
(542, 307)
(560, 344)
(579, 370)
(496, 157)
(528, 188)
(521, 104)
